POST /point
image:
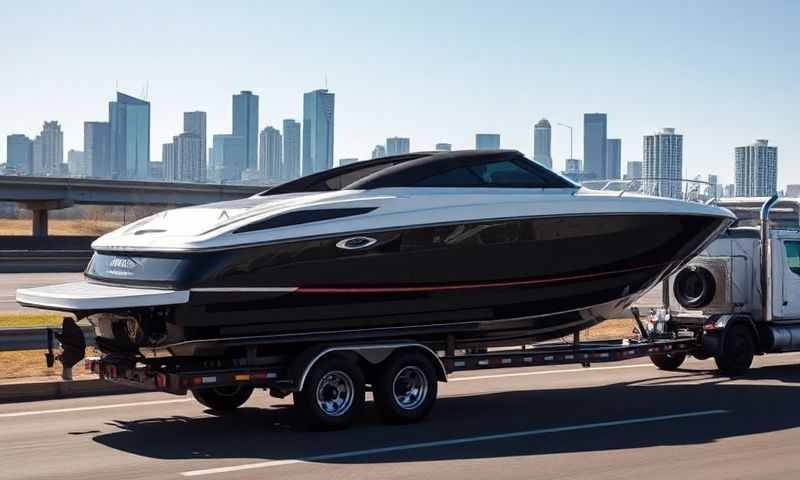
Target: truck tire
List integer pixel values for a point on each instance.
(332, 395)
(405, 388)
(668, 361)
(736, 355)
(223, 399)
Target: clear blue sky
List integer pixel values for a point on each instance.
(723, 73)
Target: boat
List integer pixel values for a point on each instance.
(467, 248)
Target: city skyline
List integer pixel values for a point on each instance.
(580, 59)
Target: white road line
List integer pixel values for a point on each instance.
(445, 443)
(93, 407)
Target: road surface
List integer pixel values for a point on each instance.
(613, 421)
(10, 282)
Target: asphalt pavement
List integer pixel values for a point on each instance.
(612, 421)
(10, 282)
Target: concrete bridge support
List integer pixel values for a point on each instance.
(40, 209)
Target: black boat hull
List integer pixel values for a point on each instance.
(473, 281)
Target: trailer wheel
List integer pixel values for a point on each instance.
(406, 386)
(737, 351)
(668, 361)
(333, 393)
(223, 399)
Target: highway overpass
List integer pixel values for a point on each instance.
(41, 194)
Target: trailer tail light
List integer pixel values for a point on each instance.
(203, 380)
(242, 377)
(161, 380)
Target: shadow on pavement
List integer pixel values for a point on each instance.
(267, 434)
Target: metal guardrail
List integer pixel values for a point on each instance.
(12, 339)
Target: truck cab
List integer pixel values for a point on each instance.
(742, 299)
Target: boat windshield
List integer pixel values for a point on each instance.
(340, 177)
(488, 169)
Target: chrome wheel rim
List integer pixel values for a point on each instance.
(410, 387)
(335, 393)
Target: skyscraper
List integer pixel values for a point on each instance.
(169, 169)
(291, 149)
(245, 125)
(270, 153)
(129, 120)
(19, 154)
(756, 170)
(444, 147)
(398, 145)
(633, 170)
(48, 150)
(228, 157)
(318, 107)
(97, 149)
(541, 143)
(487, 141)
(379, 151)
(76, 163)
(663, 163)
(614, 158)
(714, 189)
(188, 154)
(594, 145)
(347, 161)
(195, 123)
(573, 165)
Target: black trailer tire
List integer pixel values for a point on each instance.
(332, 395)
(223, 399)
(737, 351)
(668, 361)
(405, 388)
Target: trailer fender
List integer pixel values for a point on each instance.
(373, 354)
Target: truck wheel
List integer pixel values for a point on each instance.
(406, 387)
(332, 395)
(737, 351)
(668, 361)
(223, 399)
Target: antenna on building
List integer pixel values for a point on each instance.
(146, 90)
(326, 81)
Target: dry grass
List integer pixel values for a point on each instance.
(29, 363)
(30, 319)
(59, 227)
(618, 328)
